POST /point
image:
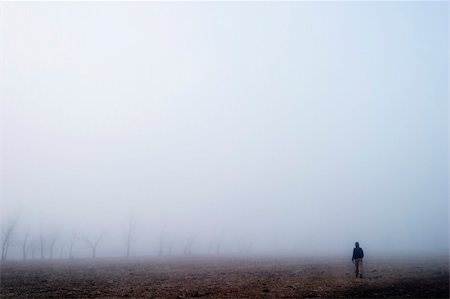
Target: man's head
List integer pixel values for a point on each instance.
(357, 245)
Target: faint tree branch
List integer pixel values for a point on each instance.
(73, 238)
(93, 243)
(7, 235)
(129, 234)
(25, 245)
(53, 238)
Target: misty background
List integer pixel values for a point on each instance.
(226, 128)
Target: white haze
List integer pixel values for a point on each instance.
(276, 128)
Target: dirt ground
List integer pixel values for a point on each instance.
(229, 277)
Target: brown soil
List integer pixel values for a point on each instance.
(229, 277)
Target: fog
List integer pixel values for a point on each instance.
(292, 128)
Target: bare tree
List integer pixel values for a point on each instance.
(215, 243)
(7, 235)
(188, 244)
(33, 248)
(211, 244)
(25, 245)
(166, 243)
(93, 243)
(61, 251)
(53, 238)
(171, 243)
(129, 234)
(219, 242)
(73, 238)
(41, 243)
(161, 241)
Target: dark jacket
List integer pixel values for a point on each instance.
(358, 253)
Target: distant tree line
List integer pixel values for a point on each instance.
(45, 244)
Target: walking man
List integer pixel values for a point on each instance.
(357, 259)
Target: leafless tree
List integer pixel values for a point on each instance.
(33, 248)
(61, 251)
(211, 244)
(188, 244)
(41, 243)
(219, 242)
(129, 234)
(7, 235)
(25, 245)
(53, 238)
(93, 243)
(166, 243)
(161, 242)
(215, 243)
(73, 238)
(171, 243)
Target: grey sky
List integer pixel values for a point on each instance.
(307, 125)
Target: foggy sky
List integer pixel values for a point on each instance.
(293, 127)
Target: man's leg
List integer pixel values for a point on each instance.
(360, 268)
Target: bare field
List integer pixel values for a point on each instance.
(230, 277)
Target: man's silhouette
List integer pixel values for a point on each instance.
(358, 255)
